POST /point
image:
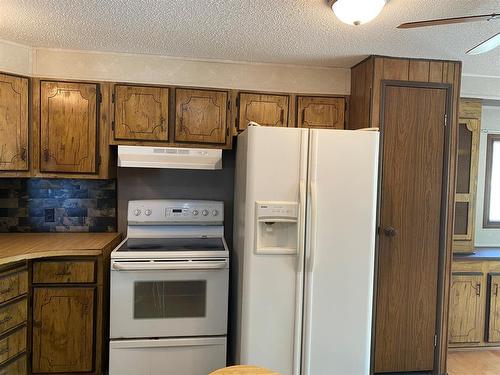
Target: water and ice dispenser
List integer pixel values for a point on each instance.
(277, 227)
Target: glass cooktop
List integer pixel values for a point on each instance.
(173, 244)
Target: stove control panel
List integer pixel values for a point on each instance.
(173, 211)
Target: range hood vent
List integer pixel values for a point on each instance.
(169, 157)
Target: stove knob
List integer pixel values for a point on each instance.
(195, 212)
(148, 212)
(137, 212)
(204, 212)
(215, 212)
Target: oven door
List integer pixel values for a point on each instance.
(168, 298)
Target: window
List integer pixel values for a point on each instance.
(491, 217)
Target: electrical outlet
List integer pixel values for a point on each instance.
(49, 215)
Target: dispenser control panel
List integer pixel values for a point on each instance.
(278, 210)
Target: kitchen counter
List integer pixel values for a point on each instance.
(482, 253)
(23, 246)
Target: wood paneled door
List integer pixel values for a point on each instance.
(201, 116)
(68, 127)
(321, 112)
(63, 329)
(466, 308)
(13, 123)
(264, 109)
(411, 220)
(494, 306)
(141, 113)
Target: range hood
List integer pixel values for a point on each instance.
(169, 157)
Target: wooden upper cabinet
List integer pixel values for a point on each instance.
(468, 134)
(141, 113)
(264, 109)
(68, 127)
(201, 116)
(13, 123)
(63, 329)
(466, 308)
(494, 322)
(320, 112)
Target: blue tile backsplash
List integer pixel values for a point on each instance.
(57, 205)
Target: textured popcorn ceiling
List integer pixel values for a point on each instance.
(273, 31)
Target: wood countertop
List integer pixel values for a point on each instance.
(22, 246)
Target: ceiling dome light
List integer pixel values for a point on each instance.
(357, 12)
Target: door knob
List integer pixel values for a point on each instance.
(390, 232)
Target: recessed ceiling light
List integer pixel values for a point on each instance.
(357, 12)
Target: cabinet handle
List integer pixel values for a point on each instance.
(303, 116)
(495, 290)
(181, 120)
(6, 319)
(162, 124)
(46, 155)
(23, 154)
(478, 289)
(8, 290)
(282, 116)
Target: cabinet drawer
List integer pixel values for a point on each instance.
(75, 271)
(13, 314)
(16, 367)
(12, 345)
(13, 285)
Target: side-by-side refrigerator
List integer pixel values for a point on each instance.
(304, 249)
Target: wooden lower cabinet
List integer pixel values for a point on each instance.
(68, 314)
(63, 329)
(467, 317)
(494, 309)
(474, 319)
(17, 366)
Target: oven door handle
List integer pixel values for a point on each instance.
(155, 266)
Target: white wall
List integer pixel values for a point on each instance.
(172, 71)
(481, 87)
(15, 58)
(121, 67)
(490, 123)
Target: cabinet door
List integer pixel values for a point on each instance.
(68, 127)
(320, 112)
(13, 123)
(466, 308)
(63, 329)
(141, 113)
(200, 116)
(494, 321)
(266, 110)
(465, 197)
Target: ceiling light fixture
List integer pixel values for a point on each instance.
(357, 12)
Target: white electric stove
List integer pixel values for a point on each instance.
(169, 290)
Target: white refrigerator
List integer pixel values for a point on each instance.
(304, 249)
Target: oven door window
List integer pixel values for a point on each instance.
(170, 299)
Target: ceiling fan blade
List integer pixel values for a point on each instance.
(447, 21)
(485, 46)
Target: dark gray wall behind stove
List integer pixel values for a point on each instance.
(143, 183)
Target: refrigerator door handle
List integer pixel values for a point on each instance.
(299, 289)
(314, 209)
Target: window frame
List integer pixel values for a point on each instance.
(487, 223)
